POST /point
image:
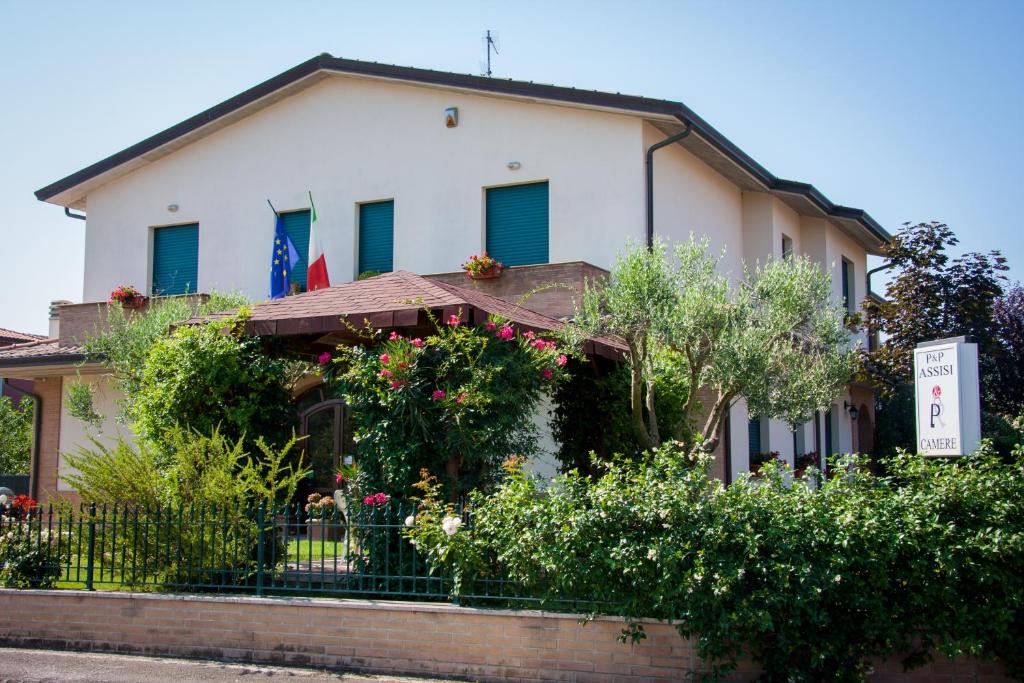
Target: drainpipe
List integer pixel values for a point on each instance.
(67, 212)
(650, 178)
(867, 277)
(37, 420)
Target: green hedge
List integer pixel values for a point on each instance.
(810, 583)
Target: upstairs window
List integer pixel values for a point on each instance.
(754, 436)
(296, 226)
(377, 237)
(849, 301)
(175, 260)
(517, 224)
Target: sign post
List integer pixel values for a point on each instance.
(946, 399)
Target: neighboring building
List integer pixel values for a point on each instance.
(540, 176)
(15, 389)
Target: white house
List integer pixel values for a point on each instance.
(416, 170)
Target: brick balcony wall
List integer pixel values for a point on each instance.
(514, 283)
(377, 637)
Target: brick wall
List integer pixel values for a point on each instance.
(377, 637)
(515, 282)
(44, 484)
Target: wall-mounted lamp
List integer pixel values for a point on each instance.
(514, 165)
(173, 208)
(851, 409)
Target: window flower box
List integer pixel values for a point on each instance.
(129, 297)
(482, 267)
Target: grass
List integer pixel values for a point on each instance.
(302, 549)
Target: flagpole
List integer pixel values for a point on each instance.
(272, 208)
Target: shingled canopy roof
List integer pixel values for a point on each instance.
(393, 300)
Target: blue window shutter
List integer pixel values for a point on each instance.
(376, 237)
(175, 260)
(754, 435)
(846, 286)
(296, 226)
(517, 224)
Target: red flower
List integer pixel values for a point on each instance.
(453, 320)
(384, 358)
(490, 326)
(417, 342)
(539, 344)
(529, 334)
(394, 335)
(547, 373)
(385, 373)
(325, 358)
(438, 394)
(461, 397)
(562, 360)
(505, 332)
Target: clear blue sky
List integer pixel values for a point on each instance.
(911, 110)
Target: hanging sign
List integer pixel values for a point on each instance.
(946, 397)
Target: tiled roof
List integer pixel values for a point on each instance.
(41, 352)
(398, 299)
(19, 336)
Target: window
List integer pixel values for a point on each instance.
(754, 436)
(828, 435)
(787, 247)
(377, 237)
(849, 300)
(517, 224)
(175, 260)
(296, 226)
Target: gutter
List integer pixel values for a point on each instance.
(650, 177)
(867, 278)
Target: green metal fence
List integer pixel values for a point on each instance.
(246, 549)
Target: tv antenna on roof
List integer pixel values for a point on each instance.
(491, 42)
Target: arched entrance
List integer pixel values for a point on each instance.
(865, 431)
(324, 422)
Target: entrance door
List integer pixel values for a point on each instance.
(327, 441)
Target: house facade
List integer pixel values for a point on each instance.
(416, 170)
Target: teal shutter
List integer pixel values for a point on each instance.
(377, 237)
(175, 260)
(754, 435)
(296, 226)
(517, 224)
(846, 285)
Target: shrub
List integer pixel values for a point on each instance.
(812, 584)
(26, 550)
(15, 435)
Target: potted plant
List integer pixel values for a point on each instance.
(128, 297)
(809, 459)
(322, 522)
(482, 267)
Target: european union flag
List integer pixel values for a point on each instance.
(284, 256)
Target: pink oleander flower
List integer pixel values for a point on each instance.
(394, 335)
(529, 334)
(453, 320)
(385, 358)
(338, 478)
(402, 365)
(562, 360)
(417, 342)
(539, 344)
(490, 326)
(376, 499)
(547, 373)
(398, 384)
(461, 397)
(325, 358)
(438, 394)
(505, 332)
(385, 372)
(549, 345)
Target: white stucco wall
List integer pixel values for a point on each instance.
(351, 141)
(75, 434)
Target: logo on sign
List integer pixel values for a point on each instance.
(937, 408)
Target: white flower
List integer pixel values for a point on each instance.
(451, 525)
(410, 520)
(652, 554)
(3, 499)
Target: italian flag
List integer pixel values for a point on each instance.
(316, 274)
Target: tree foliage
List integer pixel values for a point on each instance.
(15, 435)
(211, 377)
(934, 296)
(1008, 391)
(776, 339)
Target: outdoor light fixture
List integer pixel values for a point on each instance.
(514, 165)
(173, 208)
(851, 409)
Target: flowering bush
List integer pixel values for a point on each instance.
(27, 553)
(379, 498)
(478, 265)
(456, 402)
(126, 295)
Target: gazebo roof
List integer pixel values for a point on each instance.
(393, 300)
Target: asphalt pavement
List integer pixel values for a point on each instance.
(46, 666)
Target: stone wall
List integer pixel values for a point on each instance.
(376, 637)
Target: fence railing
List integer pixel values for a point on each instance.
(358, 550)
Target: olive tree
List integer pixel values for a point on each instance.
(775, 339)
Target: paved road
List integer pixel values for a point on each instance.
(46, 666)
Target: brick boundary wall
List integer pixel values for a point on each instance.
(375, 637)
